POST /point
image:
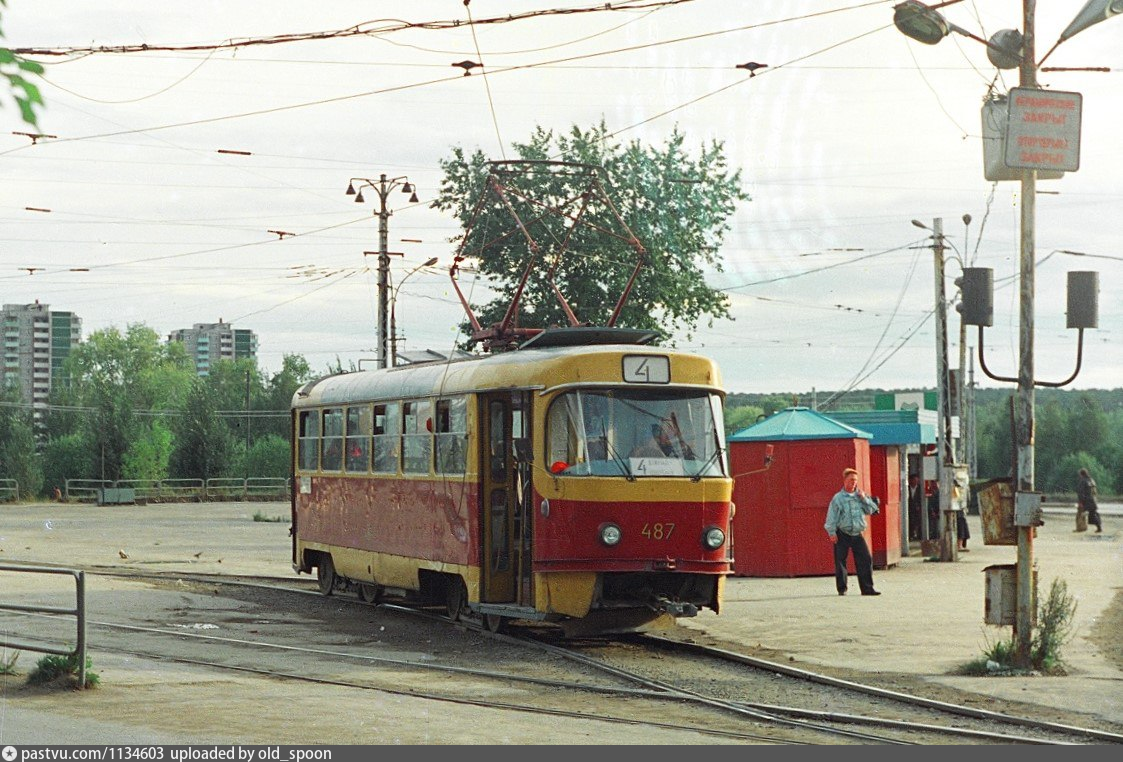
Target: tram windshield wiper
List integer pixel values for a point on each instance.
(697, 476)
(616, 458)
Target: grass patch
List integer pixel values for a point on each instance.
(1054, 628)
(259, 516)
(62, 671)
(8, 663)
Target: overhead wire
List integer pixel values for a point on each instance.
(802, 273)
(852, 384)
(502, 70)
(361, 29)
(487, 84)
(161, 91)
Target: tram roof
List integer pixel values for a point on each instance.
(523, 368)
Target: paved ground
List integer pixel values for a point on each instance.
(928, 621)
(929, 618)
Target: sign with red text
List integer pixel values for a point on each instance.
(1043, 131)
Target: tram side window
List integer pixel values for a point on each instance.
(386, 437)
(451, 435)
(417, 439)
(308, 437)
(331, 452)
(358, 439)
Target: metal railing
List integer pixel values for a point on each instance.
(79, 612)
(85, 489)
(165, 489)
(9, 490)
(89, 490)
(254, 486)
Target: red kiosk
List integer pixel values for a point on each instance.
(778, 527)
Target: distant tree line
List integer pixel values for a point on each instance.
(131, 407)
(128, 406)
(1074, 430)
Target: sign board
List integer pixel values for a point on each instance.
(1043, 130)
(647, 369)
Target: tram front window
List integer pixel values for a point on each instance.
(636, 433)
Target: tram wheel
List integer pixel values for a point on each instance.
(369, 593)
(493, 622)
(456, 598)
(325, 574)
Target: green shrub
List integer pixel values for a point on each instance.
(1054, 628)
(54, 669)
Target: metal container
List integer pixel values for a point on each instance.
(1001, 603)
(996, 509)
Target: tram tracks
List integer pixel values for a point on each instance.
(628, 693)
(916, 720)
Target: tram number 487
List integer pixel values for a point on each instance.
(658, 531)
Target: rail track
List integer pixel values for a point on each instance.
(714, 692)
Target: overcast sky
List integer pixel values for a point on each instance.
(851, 132)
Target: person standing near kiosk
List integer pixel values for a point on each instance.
(846, 520)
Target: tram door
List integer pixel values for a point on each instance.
(505, 421)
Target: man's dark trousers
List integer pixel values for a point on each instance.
(863, 563)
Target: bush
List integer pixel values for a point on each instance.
(1054, 628)
(55, 670)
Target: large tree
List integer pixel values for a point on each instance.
(116, 379)
(18, 459)
(676, 204)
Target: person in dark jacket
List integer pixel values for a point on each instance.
(1086, 496)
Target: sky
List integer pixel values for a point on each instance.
(170, 172)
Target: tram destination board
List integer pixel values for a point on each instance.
(1043, 131)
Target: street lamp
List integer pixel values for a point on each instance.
(393, 303)
(924, 24)
(382, 187)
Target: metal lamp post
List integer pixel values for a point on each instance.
(394, 302)
(382, 187)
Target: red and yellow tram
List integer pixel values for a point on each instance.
(581, 479)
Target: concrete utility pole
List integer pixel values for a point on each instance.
(1023, 618)
(383, 188)
(949, 545)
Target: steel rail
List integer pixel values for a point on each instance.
(907, 698)
(683, 693)
(739, 735)
(659, 690)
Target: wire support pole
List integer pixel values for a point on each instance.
(948, 541)
(1026, 594)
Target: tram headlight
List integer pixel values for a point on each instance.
(610, 534)
(713, 538)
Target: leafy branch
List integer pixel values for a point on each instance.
(26, 93)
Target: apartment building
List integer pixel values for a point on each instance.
(208, 343)
(36, 343)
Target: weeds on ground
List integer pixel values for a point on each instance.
(8, 663)
(62, 670)
(259, 516)
(1054, 628)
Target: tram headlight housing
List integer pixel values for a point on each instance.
(713, 538)
(610, 534)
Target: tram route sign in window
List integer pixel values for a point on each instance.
(647, 369)
(1043, 131)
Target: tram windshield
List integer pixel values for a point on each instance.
(636, 433)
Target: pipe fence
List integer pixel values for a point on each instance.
(79, 612)
(177, 490)
(9, 490)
